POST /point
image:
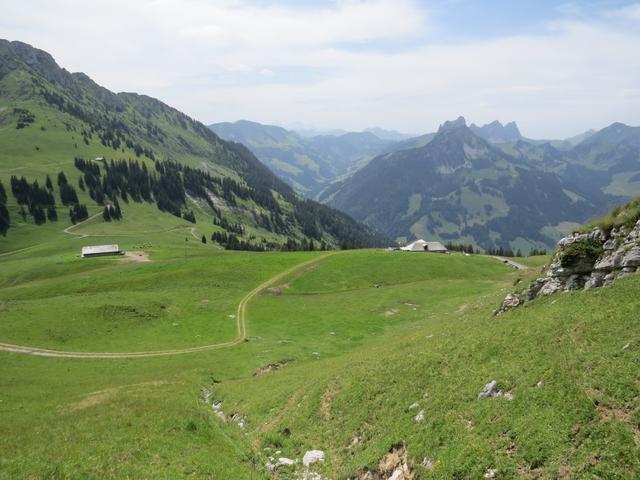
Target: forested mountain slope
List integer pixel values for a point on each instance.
(117, 148)
(460, 187)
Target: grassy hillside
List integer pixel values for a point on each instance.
(49, 117)
(353, 339)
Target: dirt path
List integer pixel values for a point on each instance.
(241, 329)
(81, 235)
(511, 263)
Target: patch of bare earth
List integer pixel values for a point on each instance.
(289, 405)
(270, 368)
(327, 400)
(275, 291)
(138, 256)
(394, 465)
(102, 396)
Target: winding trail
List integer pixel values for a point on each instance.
(241, 329)
(82, 235)
(511, 263)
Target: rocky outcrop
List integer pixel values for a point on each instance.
(583, 261)
(393, 466)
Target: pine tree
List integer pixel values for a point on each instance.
(39, 217)
(106, 213)
(117, 212)
(5, 220)
(204, 239)
(49, 184)
(52, 214)
(62, 179)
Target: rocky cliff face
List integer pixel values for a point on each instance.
(584, 261)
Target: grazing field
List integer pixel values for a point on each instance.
(334, 355)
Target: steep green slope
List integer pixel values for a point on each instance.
(49, 117)
(460, 187)
(309, 164)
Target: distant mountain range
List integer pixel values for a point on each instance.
(488, 185)
(309, 164)
(491, 187)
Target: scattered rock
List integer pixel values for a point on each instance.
(540, 384)
(510, 302)
(273, 465)
(312, 456)
(413, 406)
(427, 463)
(489, 390)
(393, 466)
(355, 441)
(420, 416)
(626, 347)
(490, 473)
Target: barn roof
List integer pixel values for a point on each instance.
(100, 250)
(417, 246)
(436, 247)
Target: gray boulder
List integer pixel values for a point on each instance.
(489, 390)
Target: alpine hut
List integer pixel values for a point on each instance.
(100, 251)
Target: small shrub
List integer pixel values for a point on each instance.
(626, 215)
(586, 250)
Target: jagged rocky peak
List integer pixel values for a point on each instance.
(496, 132)
(453, 124)
(583, 261)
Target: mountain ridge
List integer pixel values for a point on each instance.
(75, 117)
(308, 163)
(461, 187)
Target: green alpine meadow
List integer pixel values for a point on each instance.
(259, 241)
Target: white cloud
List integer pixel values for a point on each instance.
(230, 59)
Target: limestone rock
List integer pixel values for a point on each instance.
(489, 390)
(312, 456)
(632, 258)
(620, 258)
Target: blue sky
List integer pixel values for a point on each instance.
(557, 68)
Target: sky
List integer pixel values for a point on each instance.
(556, 68)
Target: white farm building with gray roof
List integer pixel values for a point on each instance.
(422, 246)
(100, 251)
